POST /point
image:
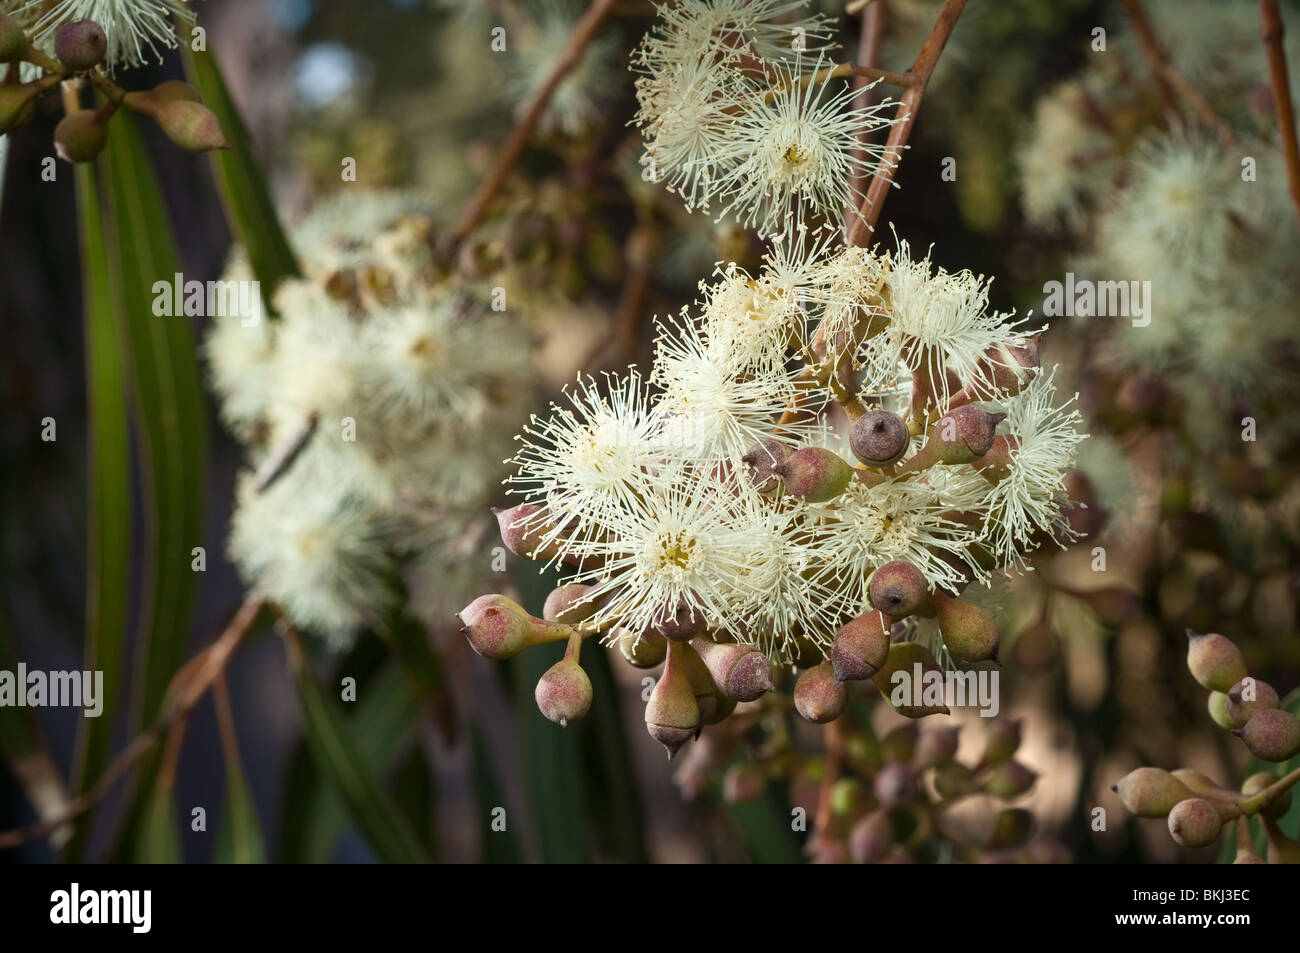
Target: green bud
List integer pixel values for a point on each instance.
(1195, 822)
(818, 695)
(937, 745)
(498, 628)
(1001, 743)
(740, 671)
(672, 716)
(563, 692)
(13, 41)
(899, 590)
(190, 125)
(954, 780)
(1247, 698)
(870, 838)
(879, 438)
(1150, 792)
(646, 651)
(81, 136)
(1264, 779)
(970, 631)
(1214, 661)
(896, 784)
(1272, 735)
(848, 796)
(569, 604)
(80, 44)
(1009, 780)
(904, 657)
(1217, 703)
(860, 647)
(814, 474)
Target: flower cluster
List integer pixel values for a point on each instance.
(369, 409)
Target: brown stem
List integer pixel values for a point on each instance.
(834, 738)
(1272, 35)
(583, 31)
(873, 30)
(921, 70)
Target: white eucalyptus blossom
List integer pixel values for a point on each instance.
(134, 28)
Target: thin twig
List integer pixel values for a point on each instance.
(1272, 35)
(921, 70)
(582, 34)
(834, 738)
(873, 31)
(210, 663)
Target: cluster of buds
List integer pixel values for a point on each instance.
(79, 50)
(1197, 808)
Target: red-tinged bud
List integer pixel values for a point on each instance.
(997, 464)
(564, 692)
(80, 44)
(646, 651)
(860, 647)
(672, 716)
(1009, 780)
(713, 705)
(901, 694)
(936, 745)
(814, 474)
(1259, 782)
(1195, 822)
(1272, 735)
(498, 628)
(1247, 698)
(762, 460)
(954, 780)
(1214, 661)
(523, 531)
(740, 671)
(870, 838)
(818, 695)
(175, 89)
(1150, 792)
(1009, 367)
(743, 783)
(1011, 828)
(961, 436)
(970, 631)
(879, 438)
(569, 604)
(896, 784)
(13, 41)
(1001, 743)
(190, 125)
(81, 136)
(898, 590)
(682, 624)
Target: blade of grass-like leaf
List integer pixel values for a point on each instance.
(413, 786)
(496, 847)
(764, 826)
(108, 512)
(239, 835)
(170, 414)
(340, 759)
(243, 188)
(159, 839)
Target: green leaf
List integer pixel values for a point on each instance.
(243, 190)
(413, 784)
(160, 837)
(239, 836)
(340, 759)
(108, 513)
(496, 847)
(169, 412)
(764, 827)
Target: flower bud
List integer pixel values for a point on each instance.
(15, 100)
(1247, 698)
(870, 838)
(1258, 782)
(81, 136)
(1272, 735)
(899, 744)
(936, 745)
(1011, 828)
(970, 631)
(961, 436)
(645, 651)
(860, 647)
(569, 604)
(954, 780)
(740, 671)
(879, 438)
(563, 692)
(898, 590)
(1214, 661)
(743, 783)
(13, 41)
(681, 624)
(523, 531)
(762, 459)
(190, 125)
(672, 716)
(1009, 780)
(814, 474)
(896, 784)
(713, 705)
(911, 659)
(1217, 703)
(498, 628)
(818, 695)
(1009, 367)
(1150, 792)
(80, 44)
(848, 797)
(1001, 743)
(1195, 822)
